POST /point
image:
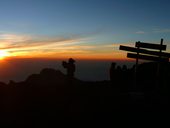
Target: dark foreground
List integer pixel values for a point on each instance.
(51, 98)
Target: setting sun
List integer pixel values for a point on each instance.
(3, 54)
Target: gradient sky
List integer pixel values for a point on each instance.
(80, 28)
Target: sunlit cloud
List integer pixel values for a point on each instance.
(13, 38)
(57, 46)
(12, 42)
(20, 45)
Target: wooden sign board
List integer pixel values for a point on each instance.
(144, 51)
(146, 57)
(141, 52)
(150, 46)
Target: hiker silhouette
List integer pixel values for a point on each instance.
(112, 71)
(70, 67)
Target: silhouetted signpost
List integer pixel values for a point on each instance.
(147, 51)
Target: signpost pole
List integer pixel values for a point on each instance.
(136, 66)
(159, 66)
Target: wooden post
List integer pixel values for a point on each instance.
(136, 66)
(137, 59)
(159, 66)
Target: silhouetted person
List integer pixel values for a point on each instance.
(112, 71)
(70, 66)
(124, 73)
(118, 74)
(125, 77)
(124, 68)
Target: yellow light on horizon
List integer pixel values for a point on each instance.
(3, 54)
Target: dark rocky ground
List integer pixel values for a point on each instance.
(50, 98)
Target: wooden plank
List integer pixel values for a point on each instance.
(146, 57)
(150, 46)
(144, 51)
(127, 48)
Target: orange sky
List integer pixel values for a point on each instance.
(65, 55)
(23, 46)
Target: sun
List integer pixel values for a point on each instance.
(3, 54)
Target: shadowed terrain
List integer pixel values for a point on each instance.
(50, 97)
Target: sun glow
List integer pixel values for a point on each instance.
(3, 54)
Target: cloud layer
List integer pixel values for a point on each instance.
(56, 46)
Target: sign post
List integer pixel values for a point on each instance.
(146, 51)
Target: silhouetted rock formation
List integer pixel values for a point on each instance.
(47, 76)
(51, 96)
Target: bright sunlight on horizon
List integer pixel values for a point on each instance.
(3, 54)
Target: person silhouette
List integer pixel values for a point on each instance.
(112, 71)
(118, 74)
(70, 67)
